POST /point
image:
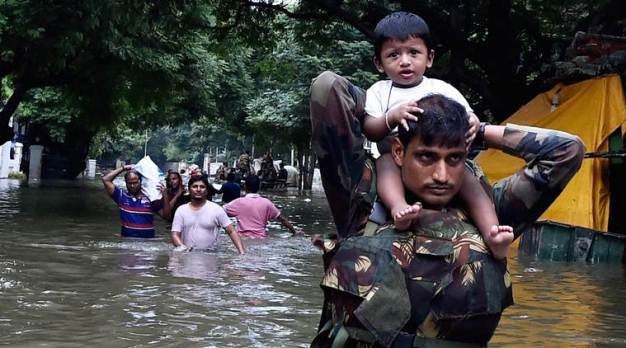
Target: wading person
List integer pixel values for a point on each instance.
(436, 284)
(222, 172)
(175, 191)
(136, 210)
(230, 190)
(253, 211)
(197, 224)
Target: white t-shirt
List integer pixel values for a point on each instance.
(200, 228)
(381, 97)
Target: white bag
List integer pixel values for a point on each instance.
(150, 178)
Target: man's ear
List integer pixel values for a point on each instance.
(431, 58)
(397, 151)
(378, 65)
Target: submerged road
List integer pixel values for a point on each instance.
(67, 279)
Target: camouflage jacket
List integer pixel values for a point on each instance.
(439, 280)
(424, 282)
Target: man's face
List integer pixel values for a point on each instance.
(198, 190)
(404, 62)
(433, 173)
(174, 182)
(133, 184)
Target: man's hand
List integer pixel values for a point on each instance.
(401, 114)
(128, 166)
(297, 232)
(162, 189)
(474, 123)
(181, 248)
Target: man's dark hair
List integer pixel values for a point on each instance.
(252, 183)
(230, 177)
(132, 172)
(443, 123)
(400, 26)
(209, 188)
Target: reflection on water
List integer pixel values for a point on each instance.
(67, 279)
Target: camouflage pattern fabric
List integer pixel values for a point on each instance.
(436, 285)
(244, 165)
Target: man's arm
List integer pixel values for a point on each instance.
(177, 235)
(177, 238)
(234, 237)
(552, 158)
(107, 180)
(288, 225)
(230, 208)
(176, 196)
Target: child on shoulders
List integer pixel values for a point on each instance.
(403, 52)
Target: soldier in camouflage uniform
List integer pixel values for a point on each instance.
(436, 285)
(244, 165)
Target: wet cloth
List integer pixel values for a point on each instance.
(200, 228)
(437, 281)
(252, 213)
(136, 214)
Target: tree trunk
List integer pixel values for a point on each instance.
(306, 166)
(311, 161)
(6, 132)
(78, 139)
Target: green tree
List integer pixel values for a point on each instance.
(150, 62)
(496, 52)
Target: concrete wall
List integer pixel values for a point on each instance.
(8, 165)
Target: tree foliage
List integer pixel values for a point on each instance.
(196, 73)
(496, 52)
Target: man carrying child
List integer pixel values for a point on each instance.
(435, 281)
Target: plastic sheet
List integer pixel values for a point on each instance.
(150, 178)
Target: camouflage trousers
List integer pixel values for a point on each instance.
(337, 111)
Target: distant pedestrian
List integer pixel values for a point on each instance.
(222, 172)
(244, 165)
(253, 212)
(283, 175)
(230, 190)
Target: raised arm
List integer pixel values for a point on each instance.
(552, 158)
(107, 180)
(166, 211)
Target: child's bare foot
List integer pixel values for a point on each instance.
(403, 216)
(500, 237)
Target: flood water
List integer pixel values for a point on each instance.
(68, 280)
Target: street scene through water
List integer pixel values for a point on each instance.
(67, 279)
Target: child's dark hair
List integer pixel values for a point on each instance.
(443, 123)
(400, 26)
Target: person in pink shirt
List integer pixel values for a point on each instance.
(253, 212)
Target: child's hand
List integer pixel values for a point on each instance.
(474, 122)
(400, 114)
